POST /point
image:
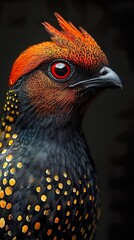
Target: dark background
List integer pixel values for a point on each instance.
(108, 124)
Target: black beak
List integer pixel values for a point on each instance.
(107, 79)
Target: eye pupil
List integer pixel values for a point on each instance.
(60, 70)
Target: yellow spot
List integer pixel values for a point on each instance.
(4, 151)
(14, 136)
(48, 179)
(37, 208)
(46, 212)
(88, 185)
(74, 189)
(28, 218)
(56, 220)
(29, 207)
(82, 201)
(0, 173)
(4, 181)
(43, 198)
(38, 189)
(8, 191)
(48, 171)
(75, 201)
(10, 216)
(0, 144)
(49, 232)
(8, 128)
(11, 119)
(68, 202)
(65, 174)
(24, 228)
(2, 203)
(80, 182)
(87, 215)
(73, 228)
(31, 179)
(49, 187)
(6, 227)
(2, 222)
(68, 213)
(65, 193)
(10, 142)
(12, 170)
(1, 193)
(9, 233)
(19, 218)
(9, 157)
(69, 225)
(85, 235)
(37, 225)
(6, 173)
(8, 206)
(14, 238)
(56, 178)
(90, 197)
(3, 124)
(80, 218)
(82, 230)
(60, 185)
(57, 191)
(12, 182)
(59, 228)
(77, 193)
(67, 220)
(58, 207)
(84, 190)
(68, 182)
(5, 165)
(19, 165)
(8, 135)
(77, 212)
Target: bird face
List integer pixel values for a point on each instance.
(63, 75)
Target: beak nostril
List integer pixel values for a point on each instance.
(103, 71)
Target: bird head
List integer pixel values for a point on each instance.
(61, 76)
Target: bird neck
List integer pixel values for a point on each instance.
(43, 136)
(24, 121)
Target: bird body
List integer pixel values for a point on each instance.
(48, 182)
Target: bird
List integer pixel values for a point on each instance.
(48, 182)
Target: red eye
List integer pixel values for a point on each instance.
(60, 70)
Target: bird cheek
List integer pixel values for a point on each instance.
(66, 99)
(47, 99)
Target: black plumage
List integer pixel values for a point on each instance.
(48, 183)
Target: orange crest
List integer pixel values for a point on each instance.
(69, 43)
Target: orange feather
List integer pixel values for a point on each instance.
(69, 43)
